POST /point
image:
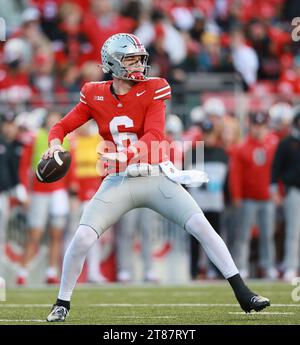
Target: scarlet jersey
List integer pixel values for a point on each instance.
(250, 169)
(136, 118)
(14, 88)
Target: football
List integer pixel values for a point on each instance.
(52, 169)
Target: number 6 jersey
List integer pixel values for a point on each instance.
(136, 118)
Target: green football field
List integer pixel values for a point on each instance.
(200, 303)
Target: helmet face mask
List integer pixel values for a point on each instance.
(121, 46)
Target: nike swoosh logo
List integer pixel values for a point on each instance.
(140, 93)
(44, 168)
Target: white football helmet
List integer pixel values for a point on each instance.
(116, 48)
(214, 106)
(16, 50)
(174, 124)
(281, 113)
(197, 115)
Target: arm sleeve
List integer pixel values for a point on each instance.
(79, 115)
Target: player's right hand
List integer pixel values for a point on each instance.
(49, 153)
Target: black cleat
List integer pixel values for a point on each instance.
(253, 302)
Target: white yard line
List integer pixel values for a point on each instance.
(204, 305)
(25, 305)
(145, 317)
(104, 305)
(18, 320)
(262, 313)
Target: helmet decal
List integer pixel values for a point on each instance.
(137, 42)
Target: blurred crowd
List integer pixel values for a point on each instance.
(52, 48)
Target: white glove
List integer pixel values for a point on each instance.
(21, 193)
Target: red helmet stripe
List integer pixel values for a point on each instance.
(137, 42)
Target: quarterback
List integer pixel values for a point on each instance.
(130, 114)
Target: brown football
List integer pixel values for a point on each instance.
(52, 169)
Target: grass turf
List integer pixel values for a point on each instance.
(195, 304)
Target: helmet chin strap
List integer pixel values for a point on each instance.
(137, 76)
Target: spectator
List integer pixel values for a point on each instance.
(245, 60)
(289, 82)
(215, 111)
(45, 84)
(286, 167)
(172, 37)
(251, 195)
(281, 116)
(88, 182)
(214, 55)
(210, 52)
(269, 65)
(210, 196)
(182, 16)
(102, 22)
(160, 61)
(230, 139)
(90, 71)
(30, 29)
(193, 132)
(71, 44)
(140, 221)
(10, 152)
(174, 129)
(14, 79)
(198, 28)
(49, 204)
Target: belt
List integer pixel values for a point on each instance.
(192, 178)
(140, 170)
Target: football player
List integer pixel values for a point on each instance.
(130, 113)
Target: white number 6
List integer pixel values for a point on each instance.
(119, 137)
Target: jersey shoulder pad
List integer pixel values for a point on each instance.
(90, 89)
(161, 88)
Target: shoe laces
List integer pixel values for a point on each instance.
(257, 298)
(254, 298)
(60, 311)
